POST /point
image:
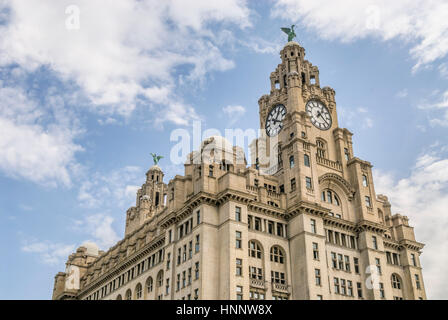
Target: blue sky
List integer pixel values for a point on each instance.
(84, 101)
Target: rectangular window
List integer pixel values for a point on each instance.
(196, 246)
(352, 242)
(196, 294)
(239, 293)
(239, 267)
(317, 275)
(417, 282)
(359, 288)
(364, 180)
(196, 270)
(168, 261)
(308, 183)
(378, 265)
(313, 226)
(382, 295)
(315, 251)
(340, 262)
(413, 260)
(167, 288)
(374, 243)
(343, 287)
(257, 225)
(198, 217)
(388, 257)
(306, 160)
(368, 203)
(210, 171)
(334, 260)
(336, 285)
(349, 288)
(238, 240)
(279, 229)
(293, 184)
(347, 263)
(189, 276)
(347, 154)
(356, 264)
(190, 249)
(271, 227)
(237, 213)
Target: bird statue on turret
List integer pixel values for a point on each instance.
(290, 32)
(156, 158)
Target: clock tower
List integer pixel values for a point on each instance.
(300, 122)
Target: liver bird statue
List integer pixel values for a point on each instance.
(290, 32)
(156, 158)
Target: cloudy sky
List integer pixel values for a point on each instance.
(88, 88)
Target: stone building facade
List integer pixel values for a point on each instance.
(308, 225)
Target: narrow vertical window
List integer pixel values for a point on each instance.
(317, 276)
(374, 243)
(291, 162)
(293, 184)
(368, 203)
(306, 160)
(313, 226)
(364, 180)
(308, 183)
(237, 213)
(238, 240)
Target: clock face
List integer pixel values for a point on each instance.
(274, 121)
(320, 116)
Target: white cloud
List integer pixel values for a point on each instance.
(351, 117)
(423, 196)
(99, 227)
(123, 51)
(234, 112)
(443, 70)
(48, 252)
(36, 143)
(421, 23)
(402, 94)
(112, 189)
(439, 103)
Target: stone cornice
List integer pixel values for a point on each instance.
(366, 225)
(307, 207)
(120, 267)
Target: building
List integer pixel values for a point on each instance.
(308, 225)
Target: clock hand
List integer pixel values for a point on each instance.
(320, 115)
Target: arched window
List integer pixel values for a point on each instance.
(129, 294)
(396, 281)
(149, 285)
(277, 255)
(138, 291)
(119, 297)
(254, 250)
(160, 278)
(330, 197)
